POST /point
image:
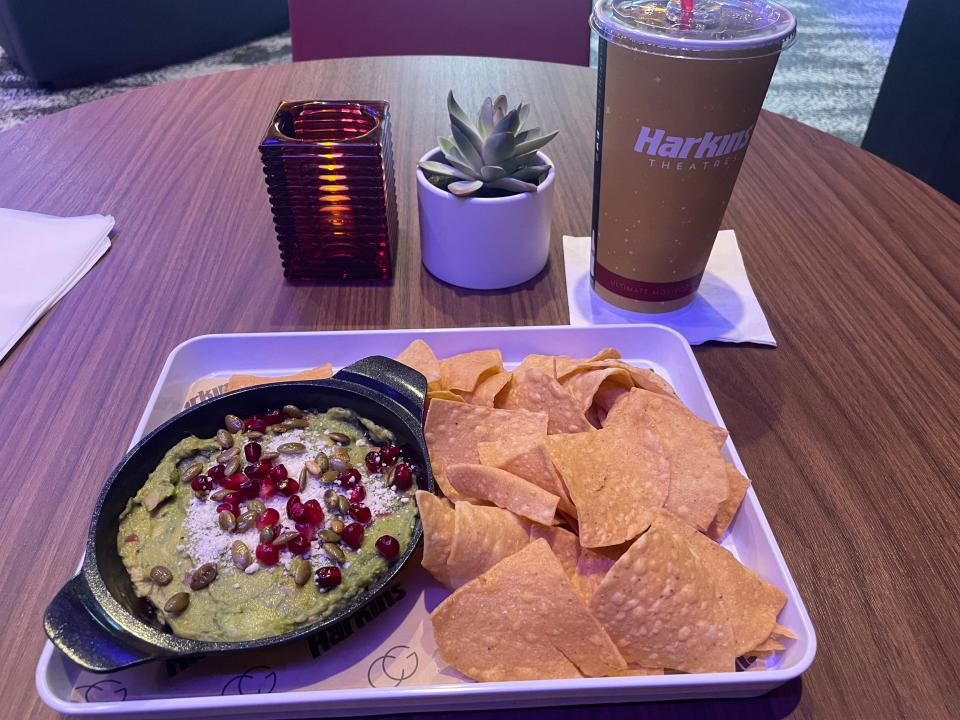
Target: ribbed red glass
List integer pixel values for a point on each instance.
(329, 171)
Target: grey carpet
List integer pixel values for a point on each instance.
(829, 79)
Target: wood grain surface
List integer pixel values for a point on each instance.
(849, 428)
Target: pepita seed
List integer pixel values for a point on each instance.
(161, 575)
(224, 439)
(233, 423)
(330, 476)
(269, 455)
(220, 494)
(337, 525)
(339, 438)
(340, 464)
(302, 572)
(311, 467)
(254, 435)
(203, 576)
(191, 471)
(224, 456)
(267, 534)
(330, 536)
(291, 411)
(299, 423)
(322, 461)
(256, 506)
(334, 552)
(228, 523)
(285, 537)
(330, 499)
(240, 554)
(232, 467)
(177, 603)
(277, 429)
(291, 447)
(302, 479)
(343, 504)
(246, 520)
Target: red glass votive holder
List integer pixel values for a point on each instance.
(329, 172)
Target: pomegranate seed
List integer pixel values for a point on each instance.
(388, 546)
(233, 498)
(268, 517)
(258, 426)
(298, 513)
(235, 509)
(258, 471)
(248, 422)
(373, 461)
(272, 417)
(314, 511)
(252, 451)
(234, 481)
(250, 489)
(216, 472)
(268, 554)
(278, 472)
(201, 483)
(288, 486)
(360, 513)
(389, 454)
(328, 577)
(402, 476)
(298, 545)
(268, 488)
(357, 494)
(294, 499)
(353, 535)
(348, 478)
(306, 529)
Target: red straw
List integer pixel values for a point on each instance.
(686, 6)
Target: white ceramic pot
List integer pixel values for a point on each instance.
(484, 243)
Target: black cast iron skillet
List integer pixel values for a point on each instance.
(99, 622)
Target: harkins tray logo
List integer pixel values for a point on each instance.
(711, 150)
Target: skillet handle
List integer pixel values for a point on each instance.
(399, 382)
(78, 629)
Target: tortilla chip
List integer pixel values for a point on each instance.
(526, 456)
(488, 389)
(592, 568)
(781, 631)
(241, 381)
(737, 485)
(585, 385)
(482, 537)
(503, 489)
(544, 363)
(698, 476)
(453, 429)
(567, 366)
(419, 356)
(437, 518)
(616, 482)
(647, 379)
(535, 390)
(523, 620)
(444, 395)
(563, 543)
(661, 605)
(464, 372)
(767, 646)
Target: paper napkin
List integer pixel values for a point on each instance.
(42, 257)
(724, 309)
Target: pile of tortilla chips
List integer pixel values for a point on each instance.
(579, 531)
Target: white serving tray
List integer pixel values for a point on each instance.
(291, 682)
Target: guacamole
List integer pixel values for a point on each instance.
(184, 553)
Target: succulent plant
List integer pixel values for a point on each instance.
(495, 154)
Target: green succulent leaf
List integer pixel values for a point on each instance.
(455, 110)
(519, 161)
(448, 146)
(463, 167)
(441, 170)
(531, 173)
(524, 112)
(509, 123)
(535, 144)
(530, 134)
(485, 118)
(467, 148)
(464, 187)
(468, 132)
(489, 173)
(499, 108)
(510, 185)
(498, 147)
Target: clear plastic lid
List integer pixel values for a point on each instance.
(715, 29)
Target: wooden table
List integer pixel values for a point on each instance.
(849, 428)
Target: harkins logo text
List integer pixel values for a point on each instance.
(672, 152)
